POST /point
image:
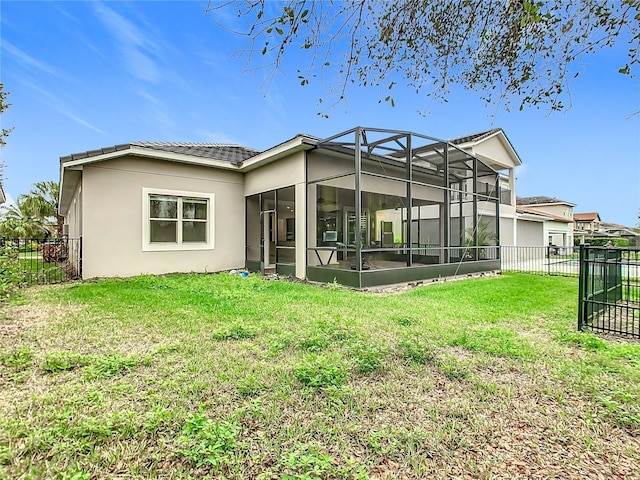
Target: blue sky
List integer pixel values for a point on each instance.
(86, 75)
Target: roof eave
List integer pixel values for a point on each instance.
(145, 152)
(502, 138)
(296, 144)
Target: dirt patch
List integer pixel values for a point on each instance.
(16, 320)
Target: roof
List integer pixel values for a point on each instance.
(586, 217)
(224, 152)
(535, 211)
(542, 200)
(623, 230)
(478, 137)
(475, 137)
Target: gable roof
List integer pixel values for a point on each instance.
(535, 211)
(586, 217)
(542, 200)
(475, 137)
(479, 144)
(215, 151)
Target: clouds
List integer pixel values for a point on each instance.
(29, 61)
(34, 72)
(138, 50)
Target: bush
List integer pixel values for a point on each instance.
(11, 274)
(601, 242)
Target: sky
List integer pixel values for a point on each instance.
(87, 75)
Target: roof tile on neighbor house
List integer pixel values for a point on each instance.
(216, 151)
(541, 200)
(614, 226)
(557, 218)
(586, 217)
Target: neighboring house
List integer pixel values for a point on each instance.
(365, 207)
(616, 230)
(545, 221)
(587, 222)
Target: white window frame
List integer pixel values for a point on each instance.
(148, 246)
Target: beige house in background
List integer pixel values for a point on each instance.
(364, 207)
(587, 222)
(545, 221)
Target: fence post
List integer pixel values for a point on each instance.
(582, 276)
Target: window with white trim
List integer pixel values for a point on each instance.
(175, 220)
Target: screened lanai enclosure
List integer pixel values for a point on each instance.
(387, 206)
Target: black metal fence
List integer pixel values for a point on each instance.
(609, 290)
(31, 261)
(549, 260)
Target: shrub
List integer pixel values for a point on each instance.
(11, 274)
(601, 242)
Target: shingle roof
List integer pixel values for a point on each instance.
(216, 151)
(540, 200)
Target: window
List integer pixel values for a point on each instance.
(174, 220)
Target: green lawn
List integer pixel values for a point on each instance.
(195, 376)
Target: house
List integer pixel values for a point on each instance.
(545, 221)
(587, 222)
(364, 207)
(621, 231)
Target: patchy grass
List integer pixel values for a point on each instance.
(190, 376)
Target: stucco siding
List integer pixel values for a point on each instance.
(283, 173)
(507, 231)
(73, 217)
(559, 210)
(113, 217)
(530, 234)
(493, 152)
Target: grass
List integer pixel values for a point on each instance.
(194, 376)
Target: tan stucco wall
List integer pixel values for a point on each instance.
(73, 217)
(559, 210)
(112, 217)
(530, 234)
(283, 173)
(325, 164)
(561, 233)
(494, 153)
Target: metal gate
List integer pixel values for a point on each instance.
(609, 290)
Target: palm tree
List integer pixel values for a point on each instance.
(18, 221)
(42, 202)
(33, 213)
